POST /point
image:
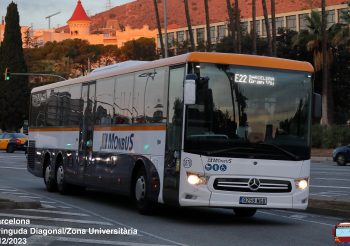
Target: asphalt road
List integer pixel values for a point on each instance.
(169, 226)
(329, 180)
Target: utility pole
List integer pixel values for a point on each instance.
(108, 5)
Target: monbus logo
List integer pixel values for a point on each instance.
(113, 142)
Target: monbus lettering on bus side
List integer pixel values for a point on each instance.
(113, 142)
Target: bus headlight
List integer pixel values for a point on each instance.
(301, 184)
(196, 179)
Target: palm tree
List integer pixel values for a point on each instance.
(231, 24)
(267, 25)
(327, 116)
(253, 31)
(238, 27)
(274, 31)
(207, 22)
(189, 25)
(159, 28)
(313, 40)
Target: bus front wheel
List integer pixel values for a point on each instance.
(244, 212)
(143, 203)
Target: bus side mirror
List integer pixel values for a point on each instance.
(316, 106)
(190, 89)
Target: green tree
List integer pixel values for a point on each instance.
(14, 98)
(312, 40)
(143, 49)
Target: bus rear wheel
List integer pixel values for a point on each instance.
(49, 178)
(10, 148)
(244, 212)
(62, 185)
(143, 203)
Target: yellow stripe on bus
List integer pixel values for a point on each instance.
(250, 60)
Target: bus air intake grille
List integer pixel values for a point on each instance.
(242, 185)
(31, 154)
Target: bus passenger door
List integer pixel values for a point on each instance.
(173, 136)
(86, 163)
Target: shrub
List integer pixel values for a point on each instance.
(330, 136)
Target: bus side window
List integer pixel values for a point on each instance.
(104, 100)
(155, 101)
(122, 113)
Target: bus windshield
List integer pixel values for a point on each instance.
(247, 112)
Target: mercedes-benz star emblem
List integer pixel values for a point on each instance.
(254, 184)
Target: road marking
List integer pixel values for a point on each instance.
(14, 193)
(348, 180)
(113, 221)
(64, 207)
(34, 197)
(333, 187)
(16, 168)
(47, 202)
(296, 218)
(47, 206)
(34, 239)
(53, 212)
(55, 219)
(6, 189)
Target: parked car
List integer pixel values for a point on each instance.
(12, 141)
(341, 155)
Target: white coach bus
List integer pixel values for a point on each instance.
(200, 129)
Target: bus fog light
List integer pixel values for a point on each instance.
(301, 184)
(195, 179)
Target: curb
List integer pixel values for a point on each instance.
(321, 158)
(14, 202)
(328, 207)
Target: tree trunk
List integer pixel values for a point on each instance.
(327, 99)
(274, 31)
(159, 28)
(238, 27)
(253, 31)
(207, 22)
(189, 26)
(267, 26)
(231, 24)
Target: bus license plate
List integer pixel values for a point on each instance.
(253, 200)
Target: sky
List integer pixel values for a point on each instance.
(35, 11)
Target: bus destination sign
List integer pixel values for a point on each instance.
(254, 79)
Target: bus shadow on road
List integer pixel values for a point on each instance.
(195, 216)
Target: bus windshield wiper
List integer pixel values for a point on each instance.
(228, 150)
(290, 154)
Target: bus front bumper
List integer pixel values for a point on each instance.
(294, 200)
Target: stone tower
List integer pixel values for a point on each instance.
(79, 23)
